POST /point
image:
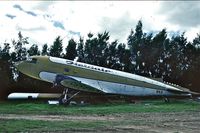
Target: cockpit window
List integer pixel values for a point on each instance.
(32, 60)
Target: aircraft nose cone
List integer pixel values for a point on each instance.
(20, 65)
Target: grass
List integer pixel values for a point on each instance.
(40, 108)
(42, 126)
(101, 109)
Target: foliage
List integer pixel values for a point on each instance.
(71, 50)
(95, 49)
(45, 50)
(33, 50)
(20, 52)
(57, 48)
(80, 51)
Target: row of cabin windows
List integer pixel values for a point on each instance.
(91, 67)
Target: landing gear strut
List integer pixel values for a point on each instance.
(65, 98)
(166, 99)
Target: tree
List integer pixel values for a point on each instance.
(177, 58)
(20, 50)
(45, 50)
(101, 46)
(71, 50)
(111, 54)
(138, 32)
(56, 48)
(134, 43)
(145, 59)
(95, 49)
(196, 42)
(158, 53)
(123, 56)
(80, 50)
(88, 49)
(5, 71)
(5, 52)
(34, 50)
(126, 60)
(134, 39)
(119, 56)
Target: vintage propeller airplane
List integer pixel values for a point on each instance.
(85, 77)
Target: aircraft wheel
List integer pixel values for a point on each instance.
(64, 101)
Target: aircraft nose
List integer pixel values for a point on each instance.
(28, 67)
(21, 66)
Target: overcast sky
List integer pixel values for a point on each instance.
(44, 21)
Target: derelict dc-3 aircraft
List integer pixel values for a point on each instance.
(85, 77)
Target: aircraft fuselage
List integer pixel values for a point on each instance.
(91, 78)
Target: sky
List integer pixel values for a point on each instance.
(43, 21)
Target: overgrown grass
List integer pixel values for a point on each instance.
(101, 109)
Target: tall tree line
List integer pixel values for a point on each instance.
(173, 59)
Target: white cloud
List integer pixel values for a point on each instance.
(117, 17)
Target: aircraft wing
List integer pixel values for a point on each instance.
(90, 85)
(80, 84)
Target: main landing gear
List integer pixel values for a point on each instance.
(166, 99)
(65, 98)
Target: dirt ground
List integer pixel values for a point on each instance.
(184, 122)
